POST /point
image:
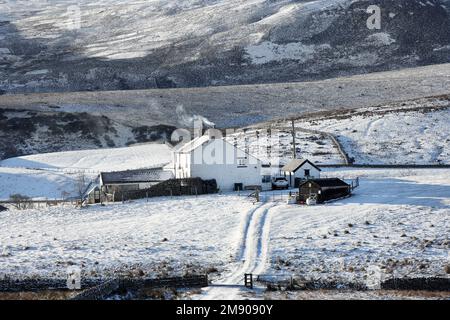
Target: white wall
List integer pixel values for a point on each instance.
(313, 172)
(220, 160)
(227, 175)
(300, 173)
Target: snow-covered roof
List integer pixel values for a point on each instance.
(136, 176)
(199, 141)
(193, 144)
(295, 164)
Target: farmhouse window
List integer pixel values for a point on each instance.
(266, 179)
(307, 172)
(242, 162)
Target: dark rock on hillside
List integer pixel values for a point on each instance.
(27, 132)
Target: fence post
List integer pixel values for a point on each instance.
(248, 280)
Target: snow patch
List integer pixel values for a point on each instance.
(268, 51)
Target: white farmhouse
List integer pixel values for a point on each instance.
(298, 170)
(207, 158)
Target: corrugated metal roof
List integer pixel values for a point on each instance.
(136, 176)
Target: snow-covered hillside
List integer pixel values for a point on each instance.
(378, 136)
(409, 132)
(151, 155)
(24, 132)
(50, 175)
(39, 123)
(275, 146)
(38, 184)
(56, 45)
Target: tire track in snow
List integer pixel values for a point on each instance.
(253, 255)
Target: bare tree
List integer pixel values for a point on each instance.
(20, 202)
(80, 186)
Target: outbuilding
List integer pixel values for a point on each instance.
(132, 180)
(298, 170)
(323, 190)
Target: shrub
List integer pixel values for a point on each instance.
(20, 202)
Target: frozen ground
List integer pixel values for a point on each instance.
(397, 220)
(163, 235)
(39, 123)
(49, 175)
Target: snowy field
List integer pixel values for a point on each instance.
(163, 235)
(397, 220)
(51, 174)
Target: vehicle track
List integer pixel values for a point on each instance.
(253, 258)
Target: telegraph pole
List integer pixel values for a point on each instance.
(294, 146)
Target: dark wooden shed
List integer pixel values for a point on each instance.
(323, 189)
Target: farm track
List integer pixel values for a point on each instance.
(253, 258)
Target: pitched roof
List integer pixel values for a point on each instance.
(193, 144)
(328, 182)
(295, 164)
(135, 176)
(199, 141)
